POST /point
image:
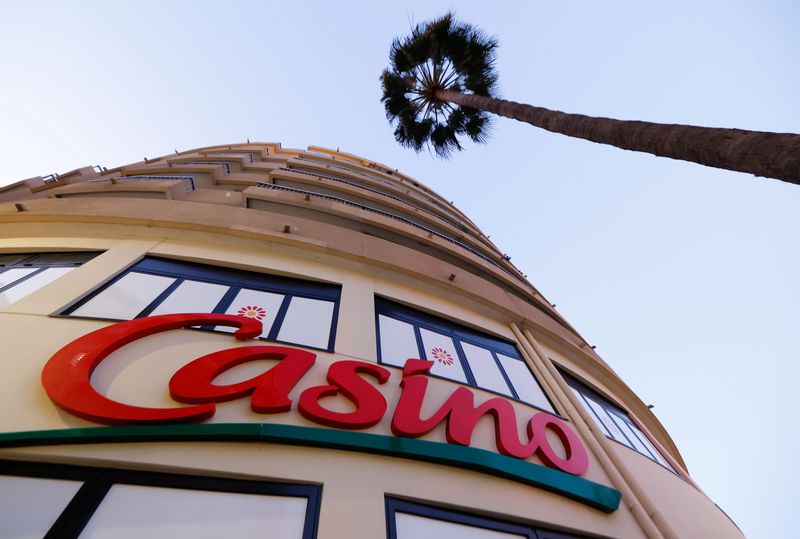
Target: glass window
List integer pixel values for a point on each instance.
(255, 304)
(485, 369)
(136, 511)
(12, 275)
(599, 421)
(23, 274)
(191, 297)
(398, 341)
(600, 413)
(126, 297)
(29, 506)
(442, 351)
(417, 527)
(458, 353)
(71, 501)
(308, 321)
(615, 422)
(630, 432)
(291, 311)
(408, 520)
(525, 384)
(647, 443)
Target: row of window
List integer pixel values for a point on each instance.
(305, 313)
(44, 500)
(23, 274)
(416, 521)
(614, 421)
(291, 311)
(458, 353)
(329, 166)
(67, 502)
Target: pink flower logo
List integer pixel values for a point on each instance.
(442, 356)
(252, 311)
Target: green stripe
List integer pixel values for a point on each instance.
(576, 488)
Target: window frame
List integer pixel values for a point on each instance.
(235, 279)
(458, 333)
(397, 505)
(616, 414)
(40, 261)
(98, 481)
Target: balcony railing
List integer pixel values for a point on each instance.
(364, 174)
(390, 216)
(218, 163)
(250, 155)
(376, 191)
(145, 178)
(346, 169)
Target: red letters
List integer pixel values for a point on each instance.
(66, 378)
(461, 415)
(193, 383)
(343, 377)
(576, 461)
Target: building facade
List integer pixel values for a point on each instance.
(248, 340)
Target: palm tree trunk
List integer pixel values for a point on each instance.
(774, 155)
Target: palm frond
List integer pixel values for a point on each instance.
(442, 54)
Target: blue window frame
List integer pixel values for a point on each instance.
(22, 274)
(409, 520)
(96, 485)
(292, 311)
(615, 422)
(459, 353)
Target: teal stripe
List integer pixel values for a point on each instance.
(587, 492)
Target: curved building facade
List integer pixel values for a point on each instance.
(247, 340)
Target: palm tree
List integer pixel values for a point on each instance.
(441, 82)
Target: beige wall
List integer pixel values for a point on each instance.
(132, 375)
(689, 511)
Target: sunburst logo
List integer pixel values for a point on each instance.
(442, 356)
(252, 311)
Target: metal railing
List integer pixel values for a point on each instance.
(340, 200)
(364, 174)
(370, 176)
(138, 178)
(218, 163)
(250, 155)
(376, 191)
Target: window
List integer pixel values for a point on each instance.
(23, 274)
(71, 501)
(614, 421)
(406, 520)
(29, 506)
(292, 311)
(458, 353)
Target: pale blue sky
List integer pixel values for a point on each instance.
(685, 277)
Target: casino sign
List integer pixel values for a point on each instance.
(67, 380)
